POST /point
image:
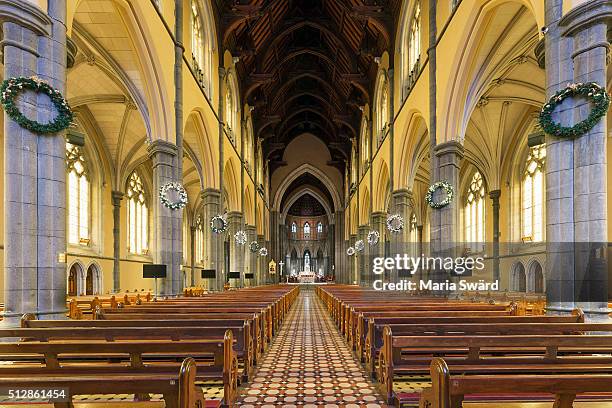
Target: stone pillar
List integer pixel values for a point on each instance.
(34, 43)
(363, 264)
(445, 230)
(117, 196)
(261, 263)
(234, 224)
(340, 264)
(494, 195)
(275, 250)
(403, 204)
(354, 270)
(250, 256)
(192, 247)
(213, 243)
(167, 248)
(576, 50)
(378, 222)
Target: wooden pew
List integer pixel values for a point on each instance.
(374, 338)
(449, 391)
(492, 355)
(52, 331)
(216, 360)
(178, 390)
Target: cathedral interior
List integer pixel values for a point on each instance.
(228, 151)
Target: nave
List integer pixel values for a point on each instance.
(309, 364)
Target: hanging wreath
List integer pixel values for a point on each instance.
(596, 94)
(350, 251)
(395, 223)
(263, 252)
(218, 224)
(240, 237)
(180, 192)
(254, 246)
(359, 245)
(373, 238)
(14, 86)
(437, 186)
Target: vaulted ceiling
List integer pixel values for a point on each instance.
(307, 66)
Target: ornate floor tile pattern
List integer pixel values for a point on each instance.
(309, 365)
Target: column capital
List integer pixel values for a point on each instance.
(402, 196)
(161, 147)
(250, 229)
(71, 52)
(378, 216)
(451, 147)
(495, 194)
(586, 15)
(234, 215)
(25, 14)
(117, 196)
(210, 195)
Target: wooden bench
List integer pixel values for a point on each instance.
(215, 359)
(492, 355)
(374, 338)
(52, 331)
(449, 391)
(178, 389)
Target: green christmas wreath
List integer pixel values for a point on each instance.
(440, 185)
(590, 90)
(14, 86)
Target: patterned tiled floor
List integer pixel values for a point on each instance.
(309, 365)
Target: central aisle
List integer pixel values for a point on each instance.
(309, 365)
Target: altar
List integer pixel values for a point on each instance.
(306, 277)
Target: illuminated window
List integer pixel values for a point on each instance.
(294, 228)
(474, 212)
(533, 195)
(365, 145)
(306, 229)
(414, 237)
(138, 216)
(320, 227)
(197, 35)
(79, 189)
(199, 241)
(382, 107)
(414, 43)
(454, 4)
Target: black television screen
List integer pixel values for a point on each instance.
(209, 273)
(153, 271)
(234, 275)
(249, 276)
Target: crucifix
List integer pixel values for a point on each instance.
(280, 273)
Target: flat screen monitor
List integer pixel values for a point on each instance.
(234, 275)
(209, 273)
(249, 276)
(150, 271)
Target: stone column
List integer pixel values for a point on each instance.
(213, 243)
(445, 231)
(261, 263)
(494, 195)
(192, 247)
(354, 270)
(234, 222)
(364, 273)
(34, 43)
(339, 254)
(403, 204)
(250, 256)
(378, 222)
(576, 50)
(166, 226)
(117, 196)
(275, 249)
